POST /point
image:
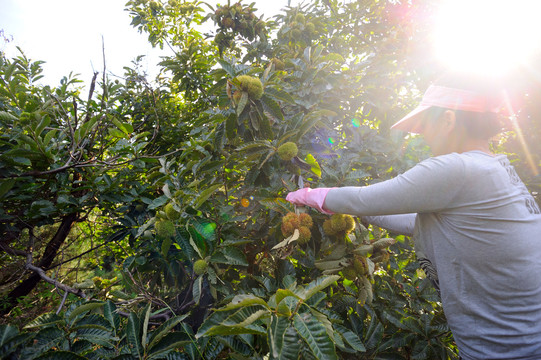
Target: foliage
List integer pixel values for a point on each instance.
(94, 330)
(167, 199)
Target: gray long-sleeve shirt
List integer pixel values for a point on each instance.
(477, 234)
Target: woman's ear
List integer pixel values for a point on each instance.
(448, 119)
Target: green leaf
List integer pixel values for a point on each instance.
(245, 316)
(315, 168)
(96, 336)
(166, 244)
(83, 308)
(231, 126)
(317, 285)
(168, 343)
(280, 95)
(281, 294)
(276, 204)
(196, 290)
(272, 107)
(44, 321)
(311, 119)
(291, 345)
(7, 332)
(205, 195)
(350, 337)
(133, 335)
(324, 320)
(44, 340)
(116, 133)
(227, 67)
(244, 300)
(45, 121)
(276, 332)
(222, 330)
(315, 336)
(111, 314)
(230, 255)
(242, 102)
(124, 127)
(49, 136)
(61, 355)
(96, 321)
(239, 321)
(165, 329)
(146, 312)
(7, 118)
(6, 185)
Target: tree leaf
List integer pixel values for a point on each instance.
(350, 337)
(6, 185)
(242, 103)
(44, 321)
(311, 119)
(111, 314)
(133, 335)
(291, 345)
(7, 332)
(231, 126)
(281, 294)
(61, 355)
(230, 255)
(315, 336)
(168, 343)
(166, 244)
(45, 121)
(242, 301)
(146, 313)
(205, 195)
(227, 67)
(83, 308)
(317, 285)
(196, 290)
(276, 331)
(164, 329)
(279, 94)
(314, 165)
(276, 204)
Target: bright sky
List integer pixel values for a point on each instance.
(67, 34)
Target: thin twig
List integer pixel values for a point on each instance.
(44, 276)
(62, 302)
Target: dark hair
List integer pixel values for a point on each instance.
(479, 125)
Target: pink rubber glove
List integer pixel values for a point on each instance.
(310, 197)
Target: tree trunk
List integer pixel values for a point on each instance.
(25, 287)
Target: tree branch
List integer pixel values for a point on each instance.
(44, 276)
(12, 251)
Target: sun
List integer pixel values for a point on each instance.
(487, 36)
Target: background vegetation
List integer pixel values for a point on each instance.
(144, 219)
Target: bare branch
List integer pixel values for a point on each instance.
(44, 276)
(62, 302)
(12, 251)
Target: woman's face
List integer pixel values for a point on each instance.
(437, 132)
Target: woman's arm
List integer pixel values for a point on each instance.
(400, 224)
(429, 186)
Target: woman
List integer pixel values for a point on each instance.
(477, 229)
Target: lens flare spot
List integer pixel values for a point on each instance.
(331, 140)
(208, 230)
(356, 122)
(245, 202)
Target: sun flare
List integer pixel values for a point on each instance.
(488, 36)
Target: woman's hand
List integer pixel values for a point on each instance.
(310, 197)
